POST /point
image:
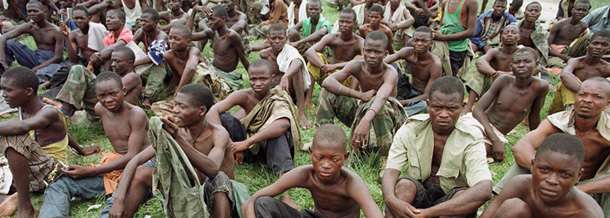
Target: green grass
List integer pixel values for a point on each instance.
(255, 175)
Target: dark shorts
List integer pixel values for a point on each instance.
(457, 61)
(429, 196)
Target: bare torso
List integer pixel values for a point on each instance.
(420, 70)
(576, 204)
(567, 31)
(225, 54)
(118, 127)
(333, 200)
(524, 37)
(344, 51)
(437, 156)
(177, 61)
(204, 144)
(43, 36)
(597, 150)
(51, 133)
(82, 42)
(501, 61)
(584, 71)
(372, 80)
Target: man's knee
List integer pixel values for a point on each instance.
(264, 202)
(405, 186)
(513, 207)
(143, 175)
(11, 43)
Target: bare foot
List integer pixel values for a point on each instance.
(287, 200)
(309, 105)
(9, 206)
(305, 124)
(56, 104)
(91, 150)
(44, 85)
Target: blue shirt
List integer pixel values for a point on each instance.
(484, 19)
(598, 19)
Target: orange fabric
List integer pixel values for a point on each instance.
(111, 179)
(558, 48)
(279, 13)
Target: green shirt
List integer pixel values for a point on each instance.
(451, 24)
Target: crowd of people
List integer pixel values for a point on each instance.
(396, 72)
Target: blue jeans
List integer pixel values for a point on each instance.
(26, 57)
(57, 196)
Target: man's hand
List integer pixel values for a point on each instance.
(499, 73)
(437, 35)
(361, 134)
(420, 11)
(403, 209)
(3, 63)
(95, 59)
(240, 146)
(203, 9)
(239, 157)
(77, 171)
(169, 126)
(328, 68)
(284, 83)
(367, 96)
(393, 27)
(294, 44)
(63, 28)
(497, 150)
(117, 210)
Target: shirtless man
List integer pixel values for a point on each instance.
(312, 29)
(290, 68)
(122, 64)
(565, 31)
(375, 16)
(459, 23)
(549, 192)
(510, 99)
(49, 43)
(78, 47)
(531, 34)
(425, 68)
(174, 16)
(125, 125)
(182, 57)
(493, 64)
(580, 69)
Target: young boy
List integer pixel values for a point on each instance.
(510, 99)
(336, 191)
(205, 154)
(374, 24)
(549, 191)
(569, 30)
(125, 125)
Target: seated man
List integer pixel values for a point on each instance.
(569, 30)
(49, 53)
(423, 11)
(447, 174)
(580, 69)
(125, 125)
(297, 11)
(178, 154)
(79, 90)
(549, 192)
(596, 20)
(309, 31)
(374, 24)
(119, 36)
(425, 68)
(493, 64)
(34, 144)
(336, 191)
(515, 9)
(489, 27)
(133, 11)
(278, 13)
(510, 99)
(398, 18)
(378, 109)
(269, 132)
(173, 16)
(84, 41)
(290, 68)
(588, 122)
(532, 34)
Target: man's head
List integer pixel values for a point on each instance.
(115, 20)
(261, 76)
(217, 20)
(499, 8)
(557, 167)
(525, 62)
(191, 104)
(347, 20)
(422, 39)
(532, 12)
(600, 44)
(375, 15)
(179, 37)
(328, 151)
(510, 35)
(122, 60)
(314, 9)
(229, 5)
(19, 85)
(174, 5)
(515, 5)
(109, 90)
(445, 103)
(277, 37)
(149, 19)
(80, 16)
(581, 9)
(394, 4)
(35, 10)
(375, 48)
(592, 97)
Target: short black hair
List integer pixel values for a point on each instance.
(527, 50)
(350, 11)
(517, 3)
(315, 1)
(82, 8)
(500, 1)
(376, 8)
(332, 134)
(127, 51)
(277, 27)
(184, 29)
(118, 13)
(153, 13)
(199, 94)
(23, 77)
(376, 36)
(600, 80)
(219, 11)
(565, 144)
(107, 75)
(533, 3)
(583, 2)
(424, 29)
(447, 85)
(36, 3)
(261, 63)
(601, 33)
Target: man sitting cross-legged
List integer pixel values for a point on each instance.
(336, 191)
(510, 99)
(374, 17)
(567, 31)
(378, 108)
(184, 146)
(447, 173)
(125, 125)
(549, 192)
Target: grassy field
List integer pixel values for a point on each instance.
(255, 175)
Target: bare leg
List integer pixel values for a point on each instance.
(139, 187)
(297, 83)
(20, 164)
(483, 6)
(308, 102)
(404, 190)
(221, 205)
(513, 207)
(472, 97)
(9, 205)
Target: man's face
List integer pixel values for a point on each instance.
(147, 23)
(177, 40)
(120, 65)
(553, 176)
(313, 10)
(185, 112)
(215, 22)
(598, 47)
(524, 64)
(260, 80)
(444, 110)
(113, 22)
(532, 12)
(66, 3)
(174, 5)
(374, 51)
(421, 42)
(277, 39)
(394, 3)
(591, 99)
(80, 19)
(510, 35)
(327, 161)
(229, 5)
(12, 93)
(35, 12)
(499, 8)
(580, 10)
(110, 94)
(346, 23)
(374, 18)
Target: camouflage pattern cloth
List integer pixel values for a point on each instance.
(79, 90)
(206, 75)
(383, 127)
(475, 80)
(539, 37)
(155, 80)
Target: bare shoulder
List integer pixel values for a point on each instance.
(540, 85)
(472, 5)
(138, 34)
(194, 51)
(518, 186)
(436, 59)
(352, 178)
(169, 55)
(265, 53)
(220, 133)
(589, 207)
(389, 70)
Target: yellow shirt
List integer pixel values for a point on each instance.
(463, 164)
